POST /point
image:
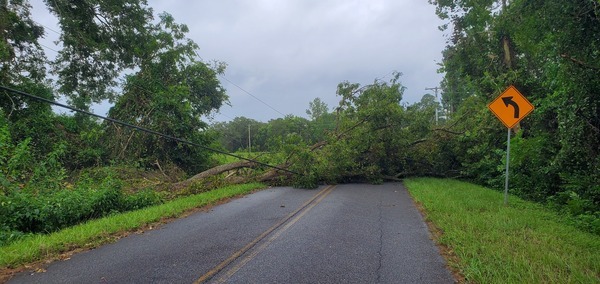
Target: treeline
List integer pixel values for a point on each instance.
(246, 134)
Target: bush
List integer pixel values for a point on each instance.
(581, 211)
(106, 201)
(141, 199)
(25, 211)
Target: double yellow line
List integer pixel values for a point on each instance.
(278, 229)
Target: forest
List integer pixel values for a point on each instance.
(57, 170)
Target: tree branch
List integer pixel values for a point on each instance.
(417, 142)
(352, 127)
(579, 62)
(383, 127)
(448, 131)
(391, 178)
(593, 126)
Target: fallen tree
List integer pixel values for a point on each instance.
(375, 139)
(232, 175)
(295, 169)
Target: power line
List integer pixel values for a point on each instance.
(47, 27)
(137, 85)
(227, 116)
(225, 78)
(50, 48)
(242, 89)
(161, 84)
(142, 128)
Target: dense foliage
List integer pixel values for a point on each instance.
(112, 51)
(169, 94)
(47, 210)
(550, 50)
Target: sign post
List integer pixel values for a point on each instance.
(510, 108)
(507, 162)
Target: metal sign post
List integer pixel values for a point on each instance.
(507, 162)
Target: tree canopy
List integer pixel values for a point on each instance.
(100, 39)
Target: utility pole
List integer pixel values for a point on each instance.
(436, 100)
(249, 140)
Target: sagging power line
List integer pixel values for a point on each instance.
(264, 103)
(239, 87)
(143, 129)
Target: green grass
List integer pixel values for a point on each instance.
(519, 243)
(226, 159)
(96, 232)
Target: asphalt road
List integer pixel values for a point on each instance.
(337, 234)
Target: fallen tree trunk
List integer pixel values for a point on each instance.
(213, 172)
(391, 178)
(268, 176)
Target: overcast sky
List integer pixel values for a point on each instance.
(288, 52)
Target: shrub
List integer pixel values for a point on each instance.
(142, 199)
(29, 210)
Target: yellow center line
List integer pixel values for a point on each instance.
(238, 253)
(258, 250)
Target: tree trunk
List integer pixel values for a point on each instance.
(213, 172)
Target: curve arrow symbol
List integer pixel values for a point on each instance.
(509, 101)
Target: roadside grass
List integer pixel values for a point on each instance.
(492, 243)
(104, 230)
(223, 159)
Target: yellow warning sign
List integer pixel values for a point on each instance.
(510, 107)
